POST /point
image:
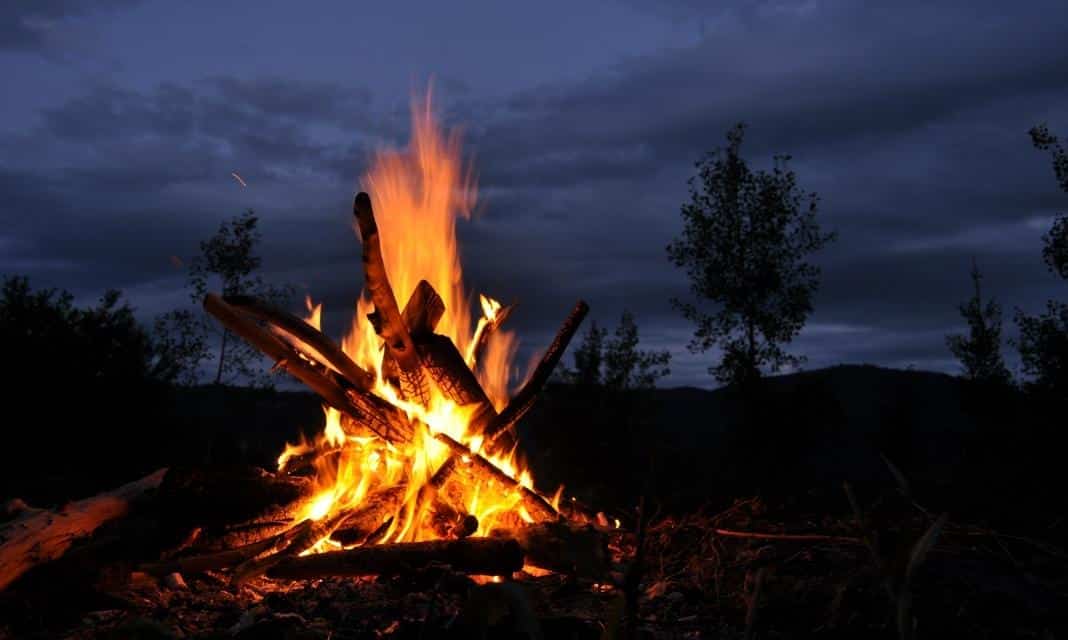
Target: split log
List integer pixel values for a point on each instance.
(562, 547)
(364, 408)
(305, 338)
(35, 537)
(479, 556)
(375, 511)
(423, 311)
(387, 317)
(524, 400)
(536, 506)
(455, 380)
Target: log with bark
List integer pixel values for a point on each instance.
(305, 338)
(482, 339)
(479, 556)
(363, 407)
(387, 319)
(498, 432)
(38, 536)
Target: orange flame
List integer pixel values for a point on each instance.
(418, 194)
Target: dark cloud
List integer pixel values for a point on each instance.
(27, 25)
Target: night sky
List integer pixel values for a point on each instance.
(122, 121)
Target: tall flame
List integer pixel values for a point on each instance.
(418, 194)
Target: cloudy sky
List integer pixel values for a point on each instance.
(122, 120)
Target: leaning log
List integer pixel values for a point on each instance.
(361, 407)
(478, 556)
(36, 537)
(451, 375)
(227, 558)
(524, 400)
(306, 338)
(387, 316)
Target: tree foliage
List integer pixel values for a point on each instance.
(44, 332)
(979, 352)
(1043, 339)
(615, 362)
(227, 260)
(745, 240)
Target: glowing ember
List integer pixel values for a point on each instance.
(418, 194)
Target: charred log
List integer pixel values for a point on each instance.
(387, 317)
(363, 522)
(480, 556)
(562, 547)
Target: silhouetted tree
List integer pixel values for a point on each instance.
(745, 241)
(588, 357)
(1043, 341)
(979, 352)
(626, 366)
(84, 383)
(228, 260)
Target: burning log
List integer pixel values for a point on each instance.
(455, 380)
(223, 498)
(487, 332)
(480, 556)
(387, 317)
(38, 536)
(363, 522)
(423, 311)
(366, 409)
(563, 547)
(524, 400)
(308, 339)
(536, 506)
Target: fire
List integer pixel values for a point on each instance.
(419, 193)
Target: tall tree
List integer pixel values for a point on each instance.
(745, 242)
(979, 352)
(227, 260)
(1043, 340)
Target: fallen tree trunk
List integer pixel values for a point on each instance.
(522, 402)
(479, 556)
(36, 537)
(387, 317)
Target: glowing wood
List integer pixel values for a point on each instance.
(39, 536)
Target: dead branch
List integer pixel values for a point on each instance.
(524, 400)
